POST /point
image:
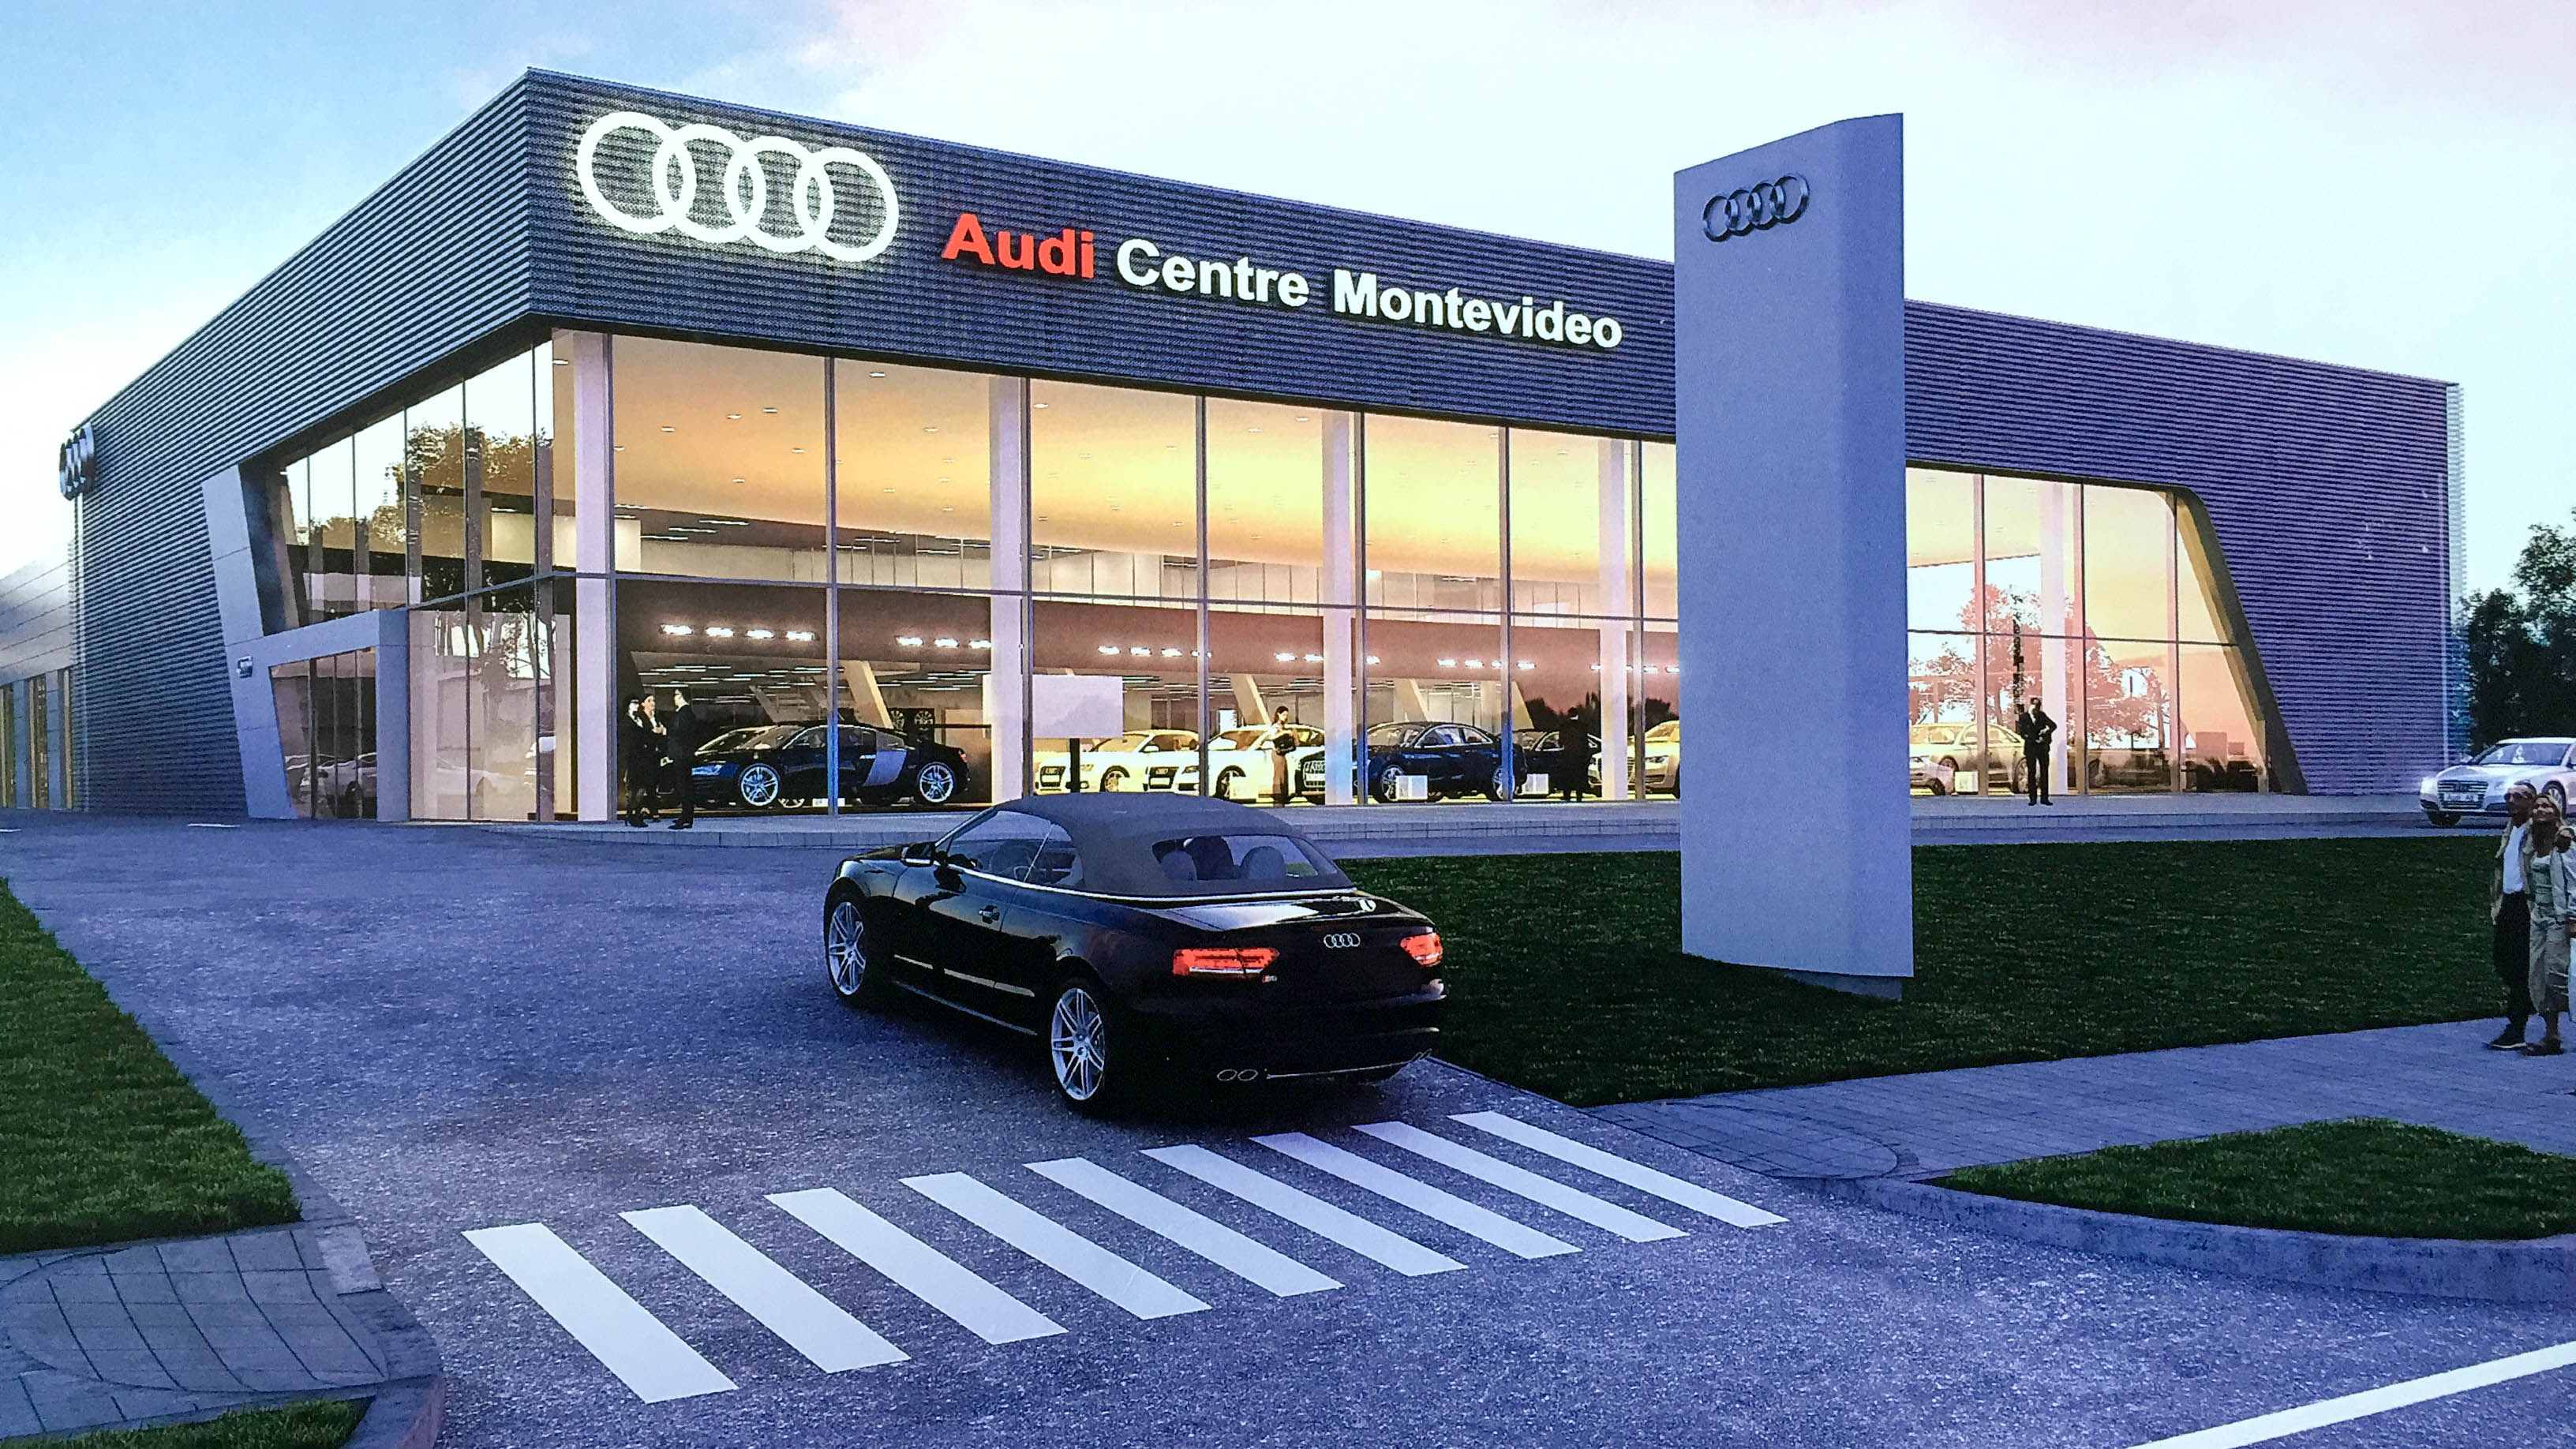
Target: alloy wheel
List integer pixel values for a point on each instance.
(759, 787)
(1078, 1044)
(935, 784)
(845, 948)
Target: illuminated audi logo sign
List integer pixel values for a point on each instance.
(1342, 940)
(671, 181)
(1759, 207)
(76, 463)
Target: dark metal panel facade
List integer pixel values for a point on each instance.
(431, 262)
(2330, 490)
(908, 302)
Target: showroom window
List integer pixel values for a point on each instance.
(2100, 606)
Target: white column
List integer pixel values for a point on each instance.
(1618, 596)
(594, 558)
(2055, 619)
(1007, 711)
(1341, 599)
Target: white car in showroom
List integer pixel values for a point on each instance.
(2547, 764)
(1242, 760)
(1136, 760)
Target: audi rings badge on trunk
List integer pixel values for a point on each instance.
(1145, 941)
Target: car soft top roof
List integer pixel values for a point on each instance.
(1115, 834)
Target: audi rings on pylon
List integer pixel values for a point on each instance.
(671, 183)
(1754, 208)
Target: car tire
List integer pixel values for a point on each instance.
(2442, 817)
(758, 786)
(2557, 796)
(1092, 1072)
(1932, 785)
(847, 952)
(1494, 786)
(1113, 779)
(1226, 780)
(1388, 782)
(936, 783)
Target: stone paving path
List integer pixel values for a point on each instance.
(1930, 1122)
(98, 1336)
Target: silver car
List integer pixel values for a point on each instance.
(2477, 787)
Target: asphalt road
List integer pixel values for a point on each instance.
(457, 1030)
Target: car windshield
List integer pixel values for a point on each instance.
(1121, 745)
(757, 737)
(1393, 734)
(2525, 752)
(1240, 739)
(1257, 862)
(1667, 733)
(1941, 734)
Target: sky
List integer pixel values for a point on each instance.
(2387, 184)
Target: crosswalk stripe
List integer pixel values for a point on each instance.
(918, 1268)
(1619, 1169)
(1059, 1247)
(1392, 1249)
(811, 1324)
(1545, 1191)
(626, 1339)
(1205, 1236)
(1422, 1197)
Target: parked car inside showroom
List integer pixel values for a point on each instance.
(1148, 942)
(782, 766)
(1662, 770)
(2477, 787)
(1938, 753)
(1136, 760)
(1452, 759)
(1241, 760)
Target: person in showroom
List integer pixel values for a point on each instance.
(640, 743)
(683, 731)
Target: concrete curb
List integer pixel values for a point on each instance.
(2541, 1270)
(410, 1407)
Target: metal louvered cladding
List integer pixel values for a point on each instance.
(2329, 489)
(433, 261)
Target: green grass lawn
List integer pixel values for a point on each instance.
(101, 1138)
(2385, 1179)
(1566, 973)
(322, 1424)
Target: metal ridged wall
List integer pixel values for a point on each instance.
(2329, 489)
(432, 261)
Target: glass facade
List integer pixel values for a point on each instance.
(2098, 606)
(878, 562)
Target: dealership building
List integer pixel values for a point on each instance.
(615, 391)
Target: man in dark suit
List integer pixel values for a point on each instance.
(2038, 732)
(685, 732)
(641, 743)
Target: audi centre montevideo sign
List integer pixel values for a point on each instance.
(1758, 207)
(710, 185)
(705, 183)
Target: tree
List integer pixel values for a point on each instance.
(2521, 644)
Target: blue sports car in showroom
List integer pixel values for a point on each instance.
(2478, 787)
(782, 766)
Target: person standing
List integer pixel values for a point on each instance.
(2549, 879)
(642, 747)
(684, 732)
(2509, 917)
(1283, 740)
(1574, 758)
(2038, 732)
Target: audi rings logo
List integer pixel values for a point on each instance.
(76, 463)
(813, 198)
(1762, 205)
(1342, 940)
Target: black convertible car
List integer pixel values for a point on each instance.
(782, 766)
(1143, 938)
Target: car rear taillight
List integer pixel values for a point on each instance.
(1424, 948)
(1222, 960)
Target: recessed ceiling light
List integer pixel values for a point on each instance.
(563, 362)
(769, 410)
(1037, 405)
(796, 450)
(733, 417)
(931, 429)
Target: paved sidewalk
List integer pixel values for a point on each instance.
(92, 1337)
(1931, 1122)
